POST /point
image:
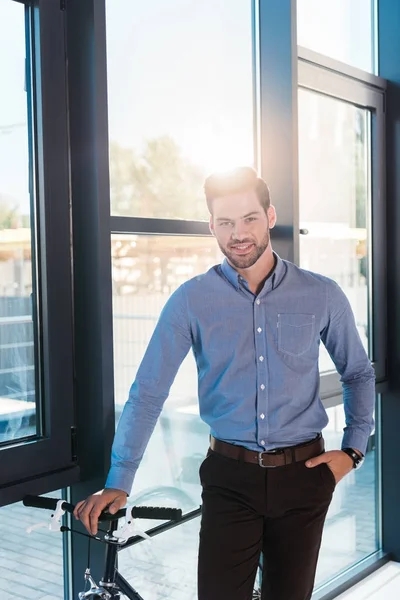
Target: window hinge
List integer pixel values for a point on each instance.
(63, 4)
(74, 444)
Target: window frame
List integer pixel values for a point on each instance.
(345, 67)
(369, 94)
(47, 460)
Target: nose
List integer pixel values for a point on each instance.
(239, 231)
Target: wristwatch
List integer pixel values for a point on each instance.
(356, 458)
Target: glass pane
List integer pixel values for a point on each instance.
(146, 270)
(17, 339)
(341, 29)
(31, 564)
(180, 97)
(166, 568)
(351, 528)
(334, 159)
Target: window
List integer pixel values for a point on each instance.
(175, 554)
(36, 375)
(342, 222)
(340, 29)
(180, 96)
(31, 564)
(334, 176)
(18, 299)
(351, 527)
(146, 270)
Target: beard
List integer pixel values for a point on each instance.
(251, 257)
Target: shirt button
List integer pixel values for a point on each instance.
(262, 386)
(262, 416)
(259, 330)
(262, 442)
(258, 301)
(261, 358)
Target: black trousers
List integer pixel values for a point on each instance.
(248, 510)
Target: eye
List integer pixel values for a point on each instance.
(225, 223)
(250, 219)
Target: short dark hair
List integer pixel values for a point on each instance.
(238, 180)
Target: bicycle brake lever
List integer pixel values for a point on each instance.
(55, 519)
(128, 530)
(36, 526)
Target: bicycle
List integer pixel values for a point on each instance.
(112, 584)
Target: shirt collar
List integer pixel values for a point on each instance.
(272, 282)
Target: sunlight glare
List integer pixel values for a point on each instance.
(220, 150)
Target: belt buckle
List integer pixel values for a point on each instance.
(261, 463)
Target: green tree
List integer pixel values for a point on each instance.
(9, 215)
(159, 182)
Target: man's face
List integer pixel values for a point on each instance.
(241, 227)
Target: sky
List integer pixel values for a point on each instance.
(13, 109)
(181, 68)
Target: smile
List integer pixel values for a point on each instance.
(242, 248)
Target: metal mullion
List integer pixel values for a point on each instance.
(177, 227)
(389, 51)
(278, 116)
(378, 266)
(338, 85)
(148, 226)
(330, 64)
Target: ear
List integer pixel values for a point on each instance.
(211, 226)
(271, 216)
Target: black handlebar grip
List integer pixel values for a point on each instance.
(46, 503)
(106, 516)
(138, 512)
(155, 512)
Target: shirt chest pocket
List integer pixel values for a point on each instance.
(295, 333)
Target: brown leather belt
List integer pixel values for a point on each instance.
(271, 458)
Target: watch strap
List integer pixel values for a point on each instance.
(356, 458)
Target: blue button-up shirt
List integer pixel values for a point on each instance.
(257, 361)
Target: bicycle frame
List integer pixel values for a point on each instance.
(113, 582)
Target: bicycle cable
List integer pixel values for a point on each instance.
(64, 528)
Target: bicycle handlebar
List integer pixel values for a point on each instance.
(137, 512)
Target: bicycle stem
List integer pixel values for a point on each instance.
(111, 557)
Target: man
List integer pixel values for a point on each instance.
(254, 323)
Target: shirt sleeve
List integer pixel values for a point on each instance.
(342, 340)
(167, 349)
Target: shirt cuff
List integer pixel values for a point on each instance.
(120, 479)
(355, 439)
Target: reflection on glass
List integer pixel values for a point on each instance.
(31, 564)
(340, 29)
(350, 532)
(334, 159)
(165, 568)
(179, 106)
(17, 359)
(146, 270)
